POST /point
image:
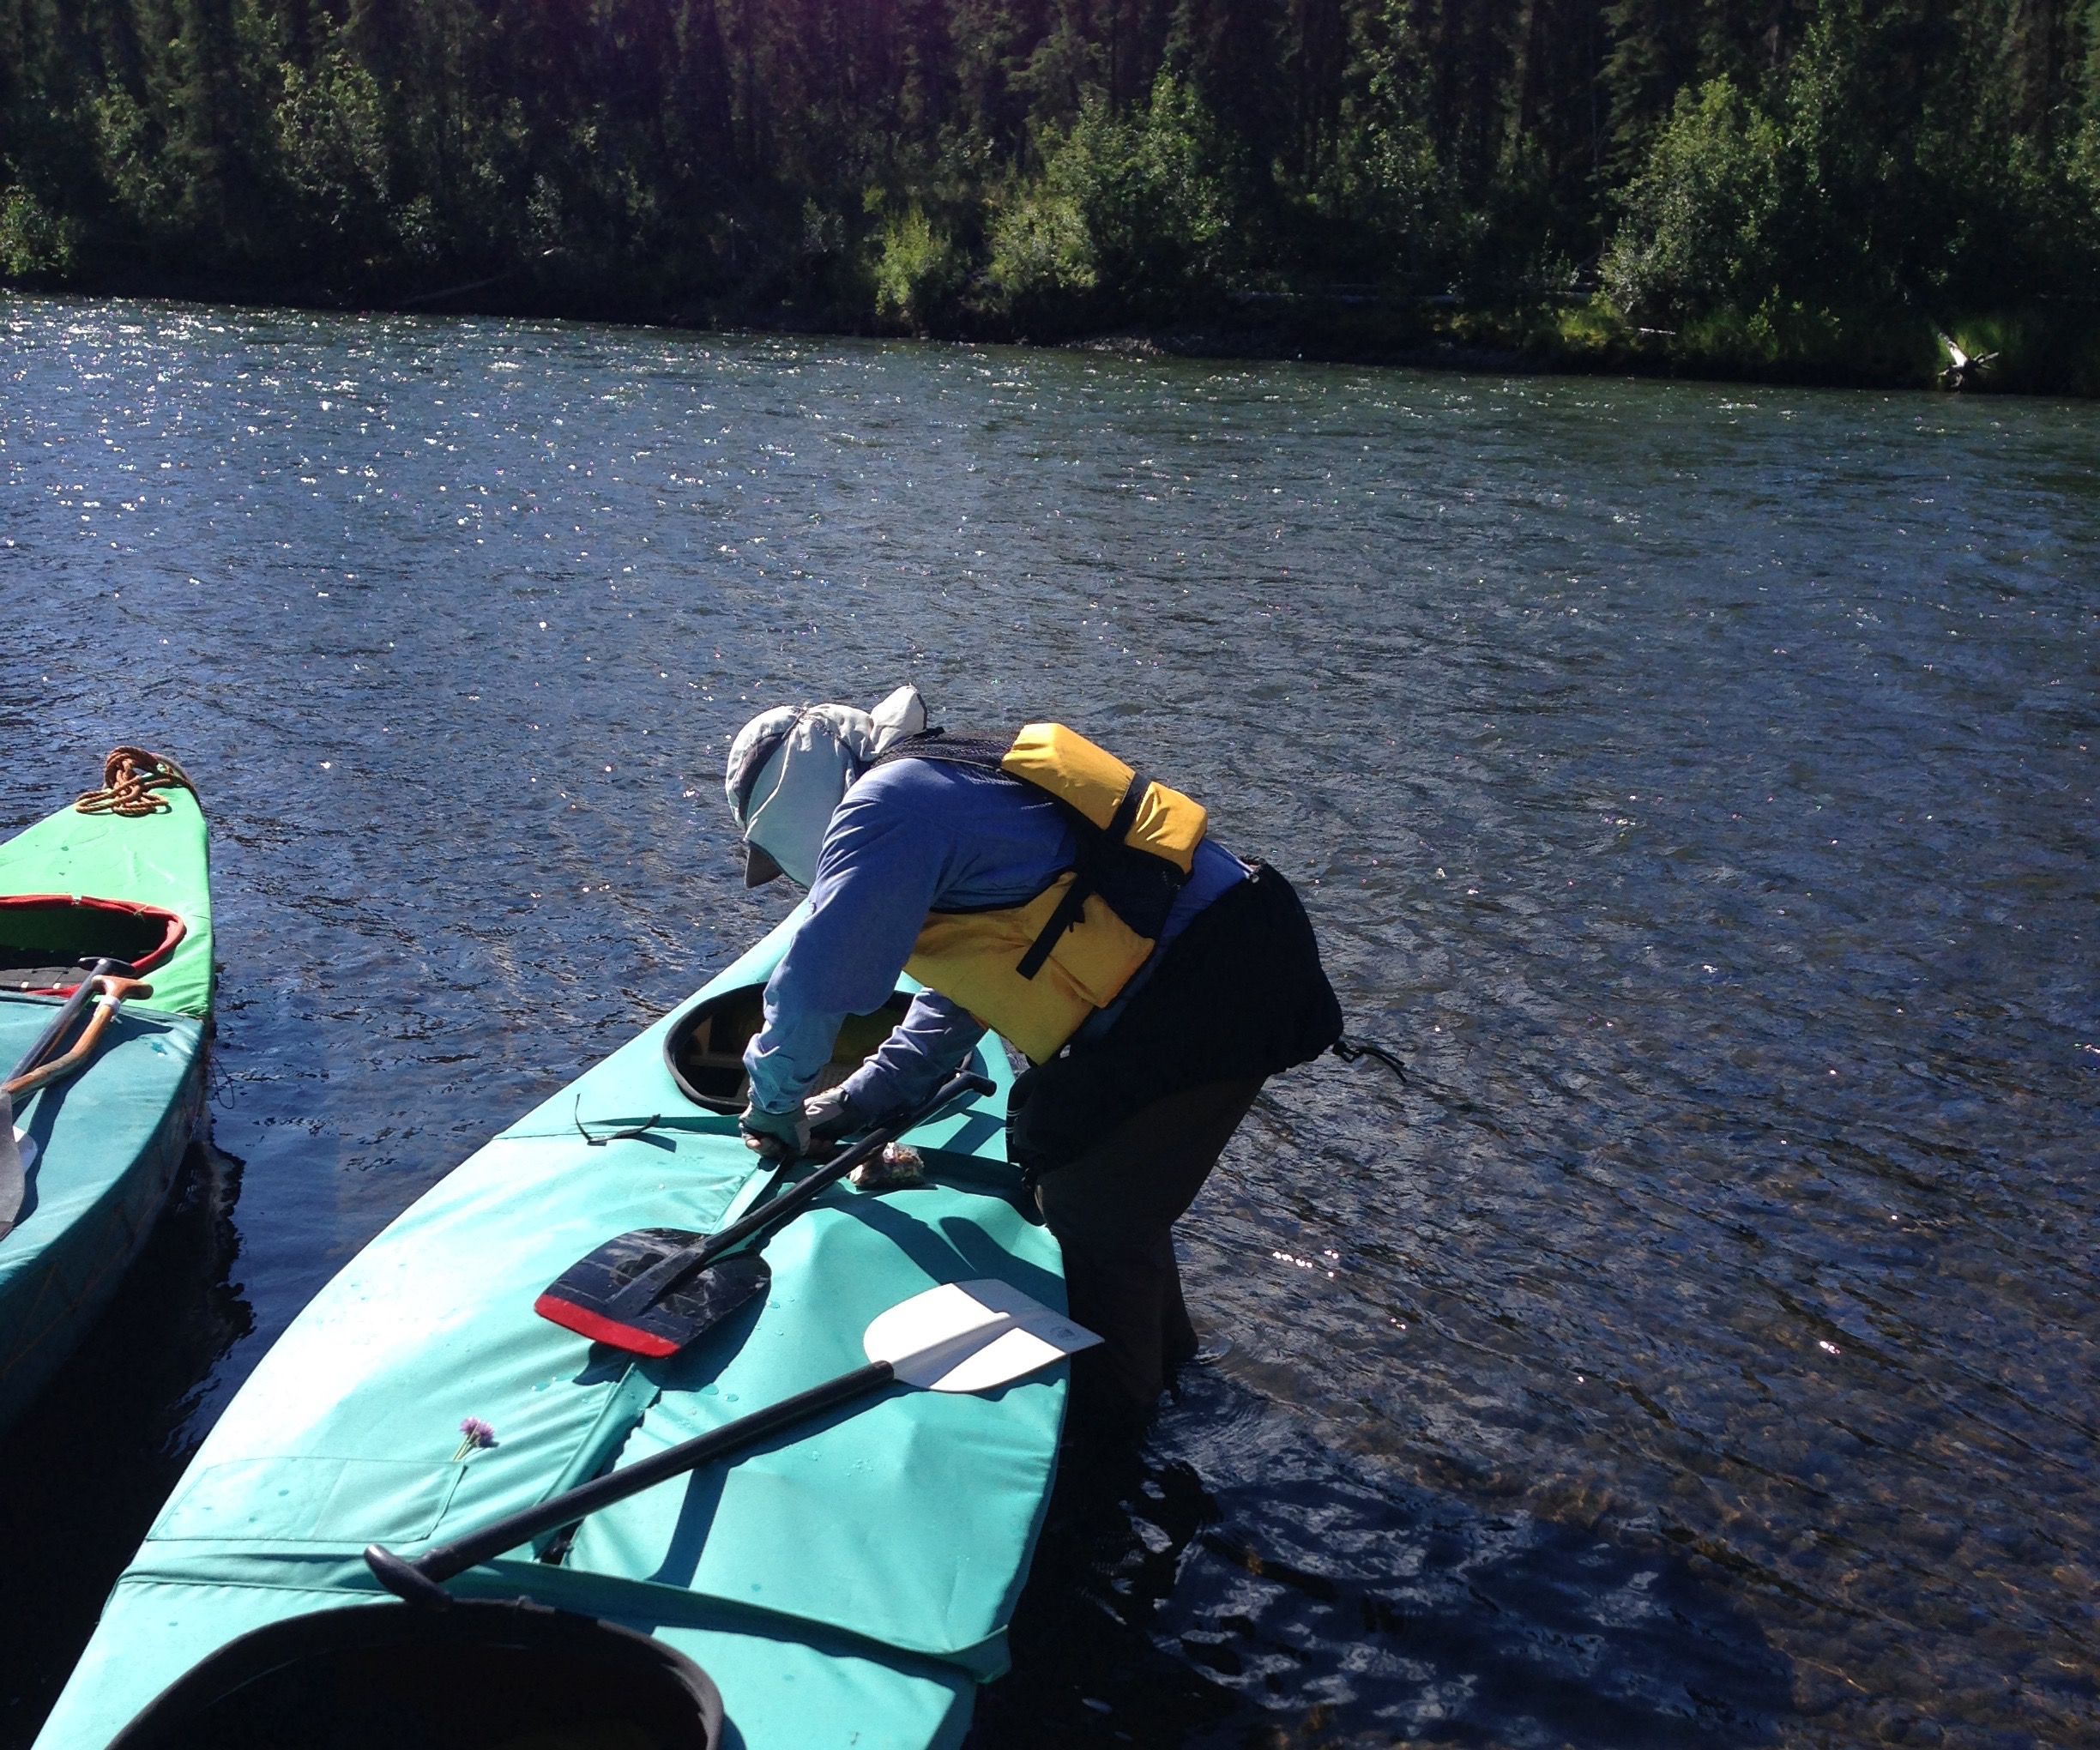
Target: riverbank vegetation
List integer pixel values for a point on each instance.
(1808, 188)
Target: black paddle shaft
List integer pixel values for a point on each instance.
(422, 1581)
(72, 1006)
(664, 1277)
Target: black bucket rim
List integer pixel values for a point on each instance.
(519, 1623)
(897, 1004)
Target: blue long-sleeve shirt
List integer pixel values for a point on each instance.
(911, 837)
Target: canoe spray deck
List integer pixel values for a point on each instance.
(847, 1583)
(128, 881)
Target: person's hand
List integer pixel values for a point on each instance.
(779, 1136)
(830, 1115)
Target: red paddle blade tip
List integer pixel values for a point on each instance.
(594, 1296)
(599, 1329)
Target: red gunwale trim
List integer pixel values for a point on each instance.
(599, 1329)
(173, 929)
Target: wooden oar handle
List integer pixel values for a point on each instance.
(111, 998)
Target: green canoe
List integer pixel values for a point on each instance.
(101, 1146)
(849, 1583)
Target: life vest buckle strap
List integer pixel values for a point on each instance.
(1085, 882)
(1068, 913)
(1126, 816)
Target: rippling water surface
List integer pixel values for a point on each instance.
(1697, 785)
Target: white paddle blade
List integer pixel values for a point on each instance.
(972, 1336)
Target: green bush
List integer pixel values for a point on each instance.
(1696, 234)
(1379, 199)
(128, 144)
(1152, 187)
(918, 271)
(330, 135)
(36, 244)
(1134, 209)
(1041, 267)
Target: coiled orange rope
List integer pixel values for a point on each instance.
(129, 777)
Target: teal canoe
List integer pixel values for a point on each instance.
(101, 1146)
(847, 1584)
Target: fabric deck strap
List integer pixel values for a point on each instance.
(1086, 876)
(338, 1573)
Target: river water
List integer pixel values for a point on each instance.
(1695, 784)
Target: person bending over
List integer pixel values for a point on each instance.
(1040, 888)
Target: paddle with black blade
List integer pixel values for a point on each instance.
(646, 1292)
(960, 1337)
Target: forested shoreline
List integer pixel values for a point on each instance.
(1815, 190)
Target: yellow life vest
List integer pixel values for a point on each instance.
(1034, 972)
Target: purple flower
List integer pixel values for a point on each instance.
(475, 1433)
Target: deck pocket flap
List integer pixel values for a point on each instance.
(312, 1500)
